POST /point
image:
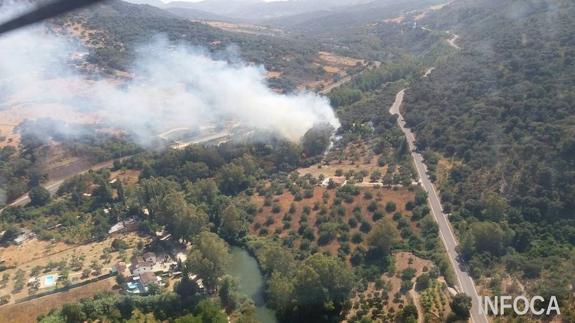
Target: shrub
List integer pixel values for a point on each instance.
(365, 227)
(408, 273)
(118, 244)
(356, 238)
(372, 207)
(409, 205)
(390, 207)
(377, 216)
(276, 208)
(352, 222)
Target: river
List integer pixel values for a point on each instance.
(244, 268)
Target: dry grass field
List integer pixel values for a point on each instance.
(28, 311)
(43, 254)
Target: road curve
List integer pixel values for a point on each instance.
(464, 280)
(54, 185)
(451, 41)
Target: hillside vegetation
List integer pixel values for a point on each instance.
(501, 113)
(113, 30)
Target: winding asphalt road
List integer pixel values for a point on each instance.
(464, 280)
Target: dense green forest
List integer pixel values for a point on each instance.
(501, 112)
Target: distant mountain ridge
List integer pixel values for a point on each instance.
(252, 10)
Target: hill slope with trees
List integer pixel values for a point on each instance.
(500, 114)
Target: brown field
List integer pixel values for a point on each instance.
(87, 36)
(381, 195)
(273, 74)
(333, 65)
(396, 20)
(335, 59)
(355, 157)
(432, 8)
(332, 69)
(35, 253)
(126, 177)
(29, 251)
(7, 133)
(243, 28)
(18, 109)
(29, 311)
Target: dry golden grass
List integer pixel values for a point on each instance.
(334, 59)
(396, 20)
(35, 253)
(243, 28)
(126, 177)
(444, 166)
(273, 74)
(28, 311)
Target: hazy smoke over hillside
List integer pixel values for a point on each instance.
(173, 86)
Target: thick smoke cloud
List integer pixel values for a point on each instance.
(171, 86)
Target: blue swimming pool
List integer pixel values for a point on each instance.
(50, 280)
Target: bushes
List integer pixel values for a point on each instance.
(373, 206)
(390, 207)
(356, 238)
(118, 244)
(276, 208)
(39, 196)
(365, 227)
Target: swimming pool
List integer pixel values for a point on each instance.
(50, 280)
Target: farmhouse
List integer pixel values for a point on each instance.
(334, 181)
(140, 265)
(148, 278)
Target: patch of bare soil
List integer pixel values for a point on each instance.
(338, 60)
(127, 177)
(244, 28)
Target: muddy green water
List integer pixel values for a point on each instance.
(244, 268)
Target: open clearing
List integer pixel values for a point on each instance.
(42, 254)
(28, 311)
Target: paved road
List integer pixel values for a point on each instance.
(54, 185)
(465, 282)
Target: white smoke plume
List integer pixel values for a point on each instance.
(171, 86)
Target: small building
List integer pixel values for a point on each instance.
(149, 257)
(148, 278)
(139, 266)
(129, 225)
(121, 269)
(336, 180)
(24, 235)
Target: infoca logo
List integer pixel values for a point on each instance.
(521, 305)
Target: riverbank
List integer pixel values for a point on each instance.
(245, 269)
